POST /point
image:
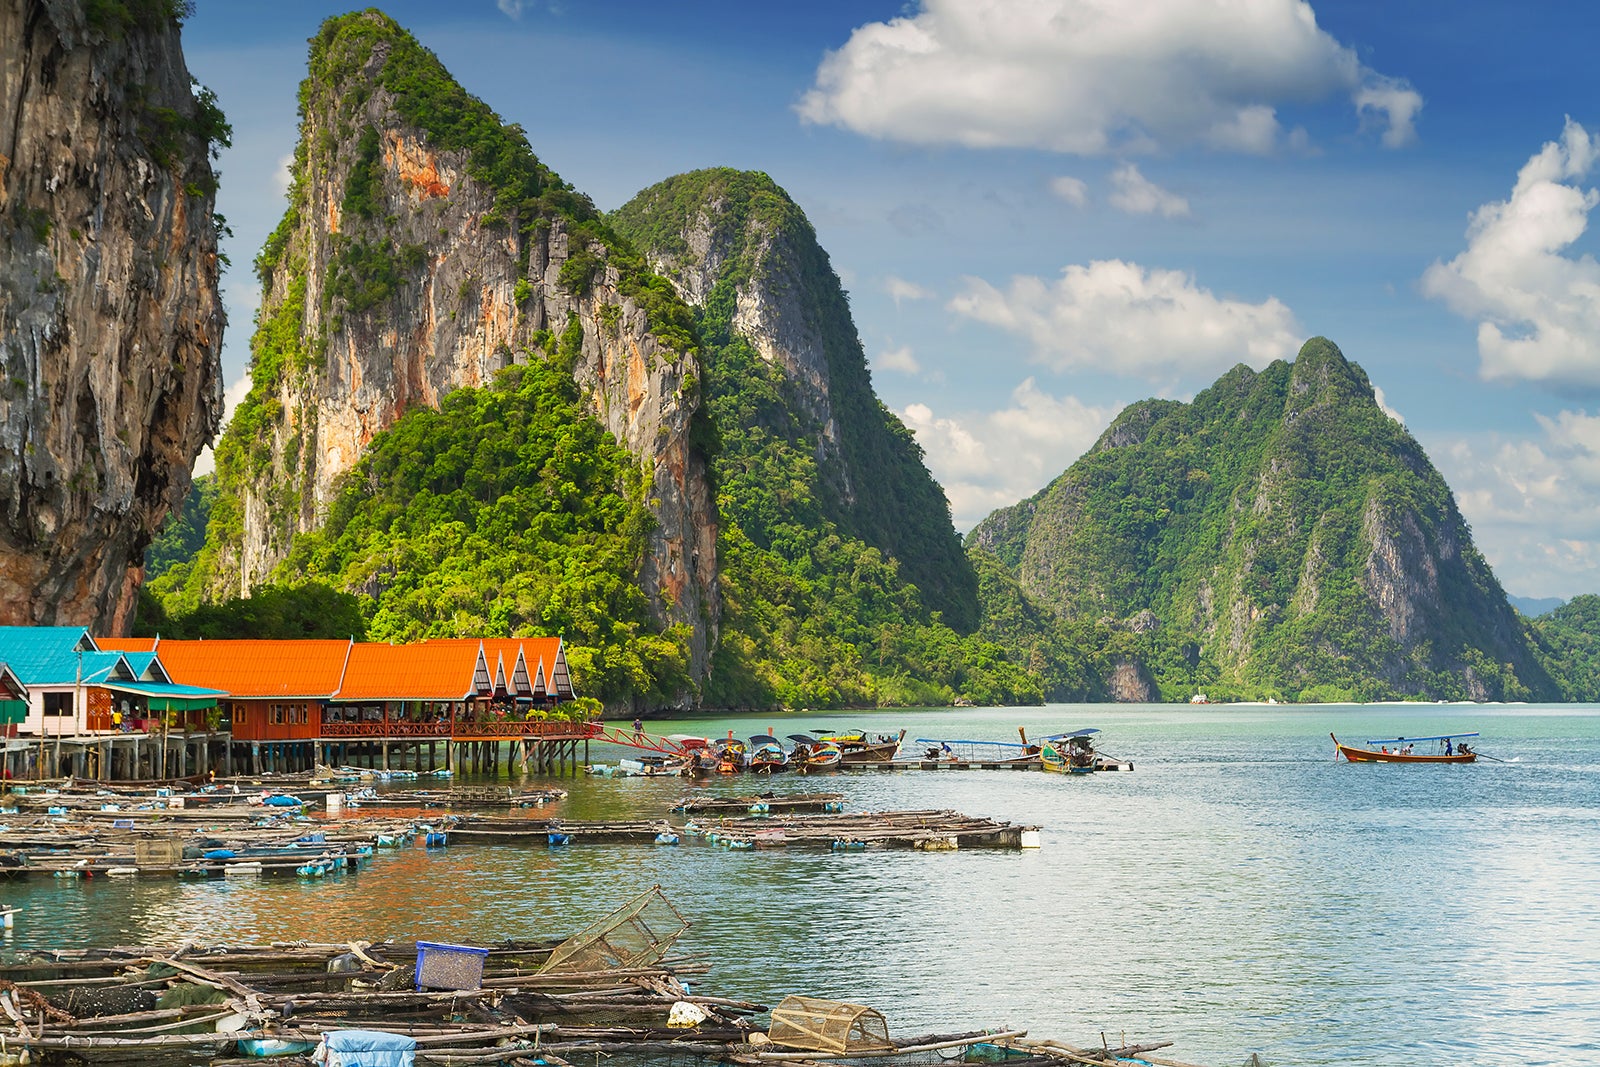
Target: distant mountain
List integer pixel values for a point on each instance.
(1535, 606)
(1279, 536)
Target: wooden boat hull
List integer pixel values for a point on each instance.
(1366, 755)
(853, 753)
(1063, 759)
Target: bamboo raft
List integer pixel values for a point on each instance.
(479, 797)
(929, 831)
(474, 829)
(708, 804)
(608, 990)
(86, 850)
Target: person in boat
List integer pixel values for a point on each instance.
(1447, 749)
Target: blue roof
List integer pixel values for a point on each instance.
(99, 667)
(46, 655)
(166, 689)
(139, 662)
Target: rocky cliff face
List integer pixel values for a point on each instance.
(742, 253)
(425, 248)
(110, 321)
(1291, 529)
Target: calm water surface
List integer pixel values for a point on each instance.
(1239, 892)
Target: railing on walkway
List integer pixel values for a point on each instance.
(543, 730)
(649, 742)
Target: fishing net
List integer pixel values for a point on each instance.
(637, 934)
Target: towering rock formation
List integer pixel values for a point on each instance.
(423, 249)
(743, 254)
(110, 322)
(1289, 529)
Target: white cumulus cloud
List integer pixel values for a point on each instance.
(1096, 76)
(899, 359)
(989, 460)
(1132, 192)
(1119, 317)
(899, 290)
(1073, 190)
(1538, 311)
(1533, 502)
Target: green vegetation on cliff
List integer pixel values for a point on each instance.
(864, 473)
(1286, 537)
(506, 512)
(842, 577)
(1567, 641)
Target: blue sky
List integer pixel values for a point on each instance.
(1046, 209)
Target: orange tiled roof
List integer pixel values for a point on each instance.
(433, 670)
(541, 650)
(535, 651)
(247, 669)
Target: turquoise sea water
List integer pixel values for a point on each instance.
(1239, 892)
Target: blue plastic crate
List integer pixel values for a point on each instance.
(442, 966)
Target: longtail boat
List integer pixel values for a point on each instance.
(1069, 753)
(1450, 748)
(857, 748)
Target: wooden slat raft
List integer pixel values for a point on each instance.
(707, 804)
(932, 831)
(163, 1004)
(82, 848)
(512, 831)
(457, 798)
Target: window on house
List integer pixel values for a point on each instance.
(58, 704)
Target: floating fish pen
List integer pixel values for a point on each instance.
(608, 991)
(477, 797)
(79, 850)
(765, 804)
(928, 831)
(557, 832)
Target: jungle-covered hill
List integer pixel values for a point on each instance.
(1279, 536)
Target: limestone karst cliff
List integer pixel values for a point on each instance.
(110, 321)
(425, 248)
(743, 254)
(1284, 536)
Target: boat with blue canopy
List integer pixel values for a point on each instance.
(967, 750)
(1439, 748)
